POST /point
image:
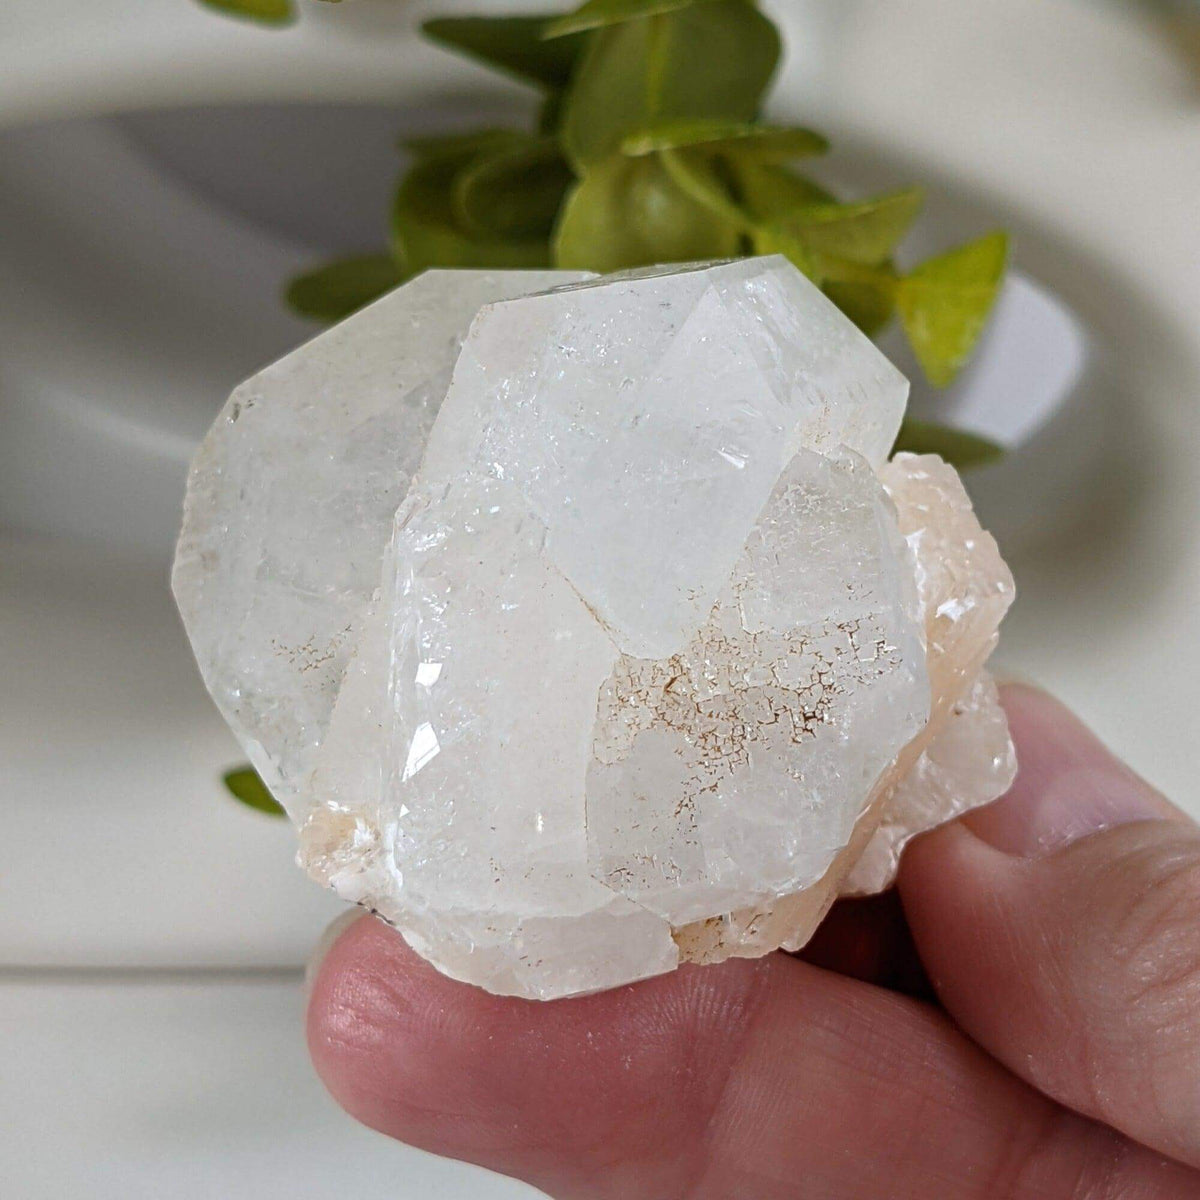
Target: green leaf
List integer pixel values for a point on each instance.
(867, 231)
(711, 60)
(866, 294)
(336, 289)
(705, 180)
(776, 239)
(515, 45)
(959, 448)
(515, 192)
(245, 785)
(869, 305)
(596, 14)
(608, 96)
(740, 139)
(776, 200)
(426, 233)
(462, 146)
(628, 212)
(266, 12)
(550, 113)
(945, 302)
(768, 193)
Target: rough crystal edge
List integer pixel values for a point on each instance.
(789, 921)
(941, 786)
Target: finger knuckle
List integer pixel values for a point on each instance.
(1143, 1035)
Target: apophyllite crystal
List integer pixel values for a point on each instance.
(640, 652)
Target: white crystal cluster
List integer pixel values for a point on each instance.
(582, 624)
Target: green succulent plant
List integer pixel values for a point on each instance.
(649, 148)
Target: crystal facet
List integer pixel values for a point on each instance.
(655, 657)
(290, 505)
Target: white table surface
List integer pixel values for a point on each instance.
(1073, 123)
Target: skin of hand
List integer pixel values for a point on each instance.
(1019, 1020)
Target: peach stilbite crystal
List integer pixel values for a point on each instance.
(658, 656)
(961, 759)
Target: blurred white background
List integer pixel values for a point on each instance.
(152, 933)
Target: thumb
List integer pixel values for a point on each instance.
(1061, 929)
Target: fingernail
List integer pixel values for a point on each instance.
(333, 931)
(1068, 784)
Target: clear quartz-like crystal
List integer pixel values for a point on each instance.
(290, 505)
(661, 655)
(712, 769)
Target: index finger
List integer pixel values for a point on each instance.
(1061, 929)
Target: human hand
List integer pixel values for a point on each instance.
(1022, 1022)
